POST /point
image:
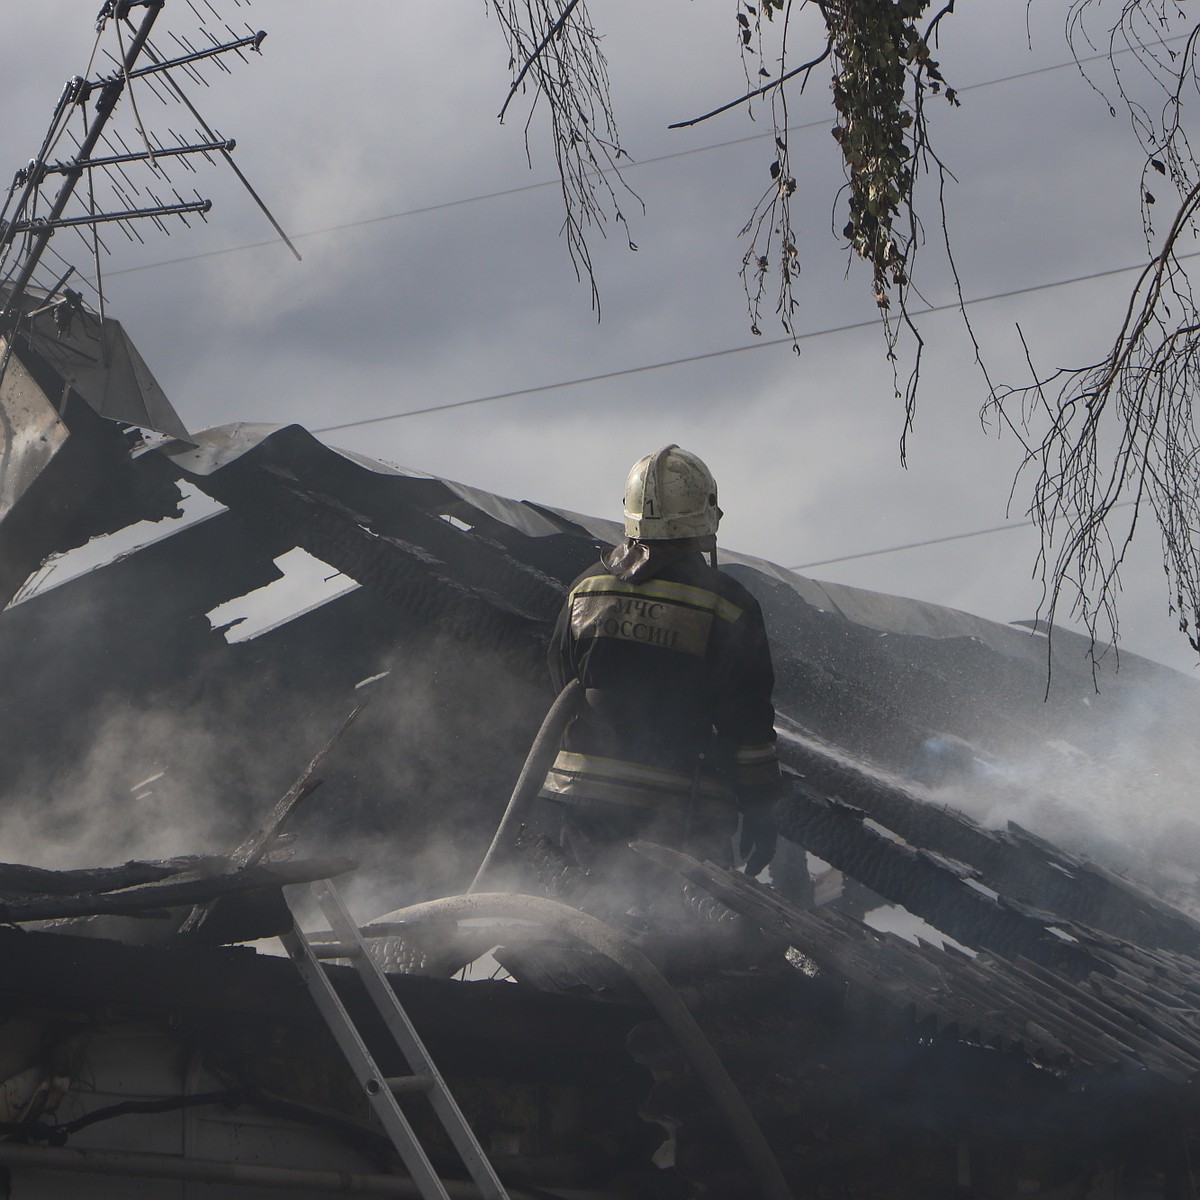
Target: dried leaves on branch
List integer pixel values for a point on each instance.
(882, 73)
(882, 70)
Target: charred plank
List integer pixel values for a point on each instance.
(192, 888)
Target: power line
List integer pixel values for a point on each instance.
(551, 387)
(327, 229)
(762, 344)
(547, 183)
(952, 537)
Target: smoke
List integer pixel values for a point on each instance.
(1116, 786)
(149, 781)
(434, 761)
(413, 791)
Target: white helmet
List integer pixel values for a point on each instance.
(670, 494)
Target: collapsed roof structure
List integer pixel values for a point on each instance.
(1047, 1037)
(189, 618)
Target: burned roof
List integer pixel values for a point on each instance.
(426, 560)
(149, 710)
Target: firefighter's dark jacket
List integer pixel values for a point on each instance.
(674, 658)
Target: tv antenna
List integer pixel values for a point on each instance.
(107, 179)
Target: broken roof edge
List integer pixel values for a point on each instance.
(94, 356)
(213, 450)
(881, 611)
(1109, 657)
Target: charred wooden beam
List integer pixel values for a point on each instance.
(931, 887)
(1015, 863)
(252, 850)
(976, 999)
(18, 878)
(463, 583)
(245, 1004)
(190, 888)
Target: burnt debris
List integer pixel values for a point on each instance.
(1043, 987)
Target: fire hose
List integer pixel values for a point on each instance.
(665, 1001)
(601, 937)
(537, 762)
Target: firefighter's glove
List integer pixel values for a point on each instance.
(760, 832)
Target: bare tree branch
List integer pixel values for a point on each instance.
(805, 70)
(534, 55)
(1121, 432)
(562, 61)
(1116, 434)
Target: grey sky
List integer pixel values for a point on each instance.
(356, 114)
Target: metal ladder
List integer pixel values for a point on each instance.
(382, 1092)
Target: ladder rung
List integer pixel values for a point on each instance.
(400, 1084)
(385, 1093)
(334, 949)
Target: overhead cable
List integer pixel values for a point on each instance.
(554, 183)
(952, 537)
(760, 344)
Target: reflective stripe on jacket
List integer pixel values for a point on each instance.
(588, 778)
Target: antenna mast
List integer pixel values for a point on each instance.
(29, 217)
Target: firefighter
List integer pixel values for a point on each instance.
(676, 734)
